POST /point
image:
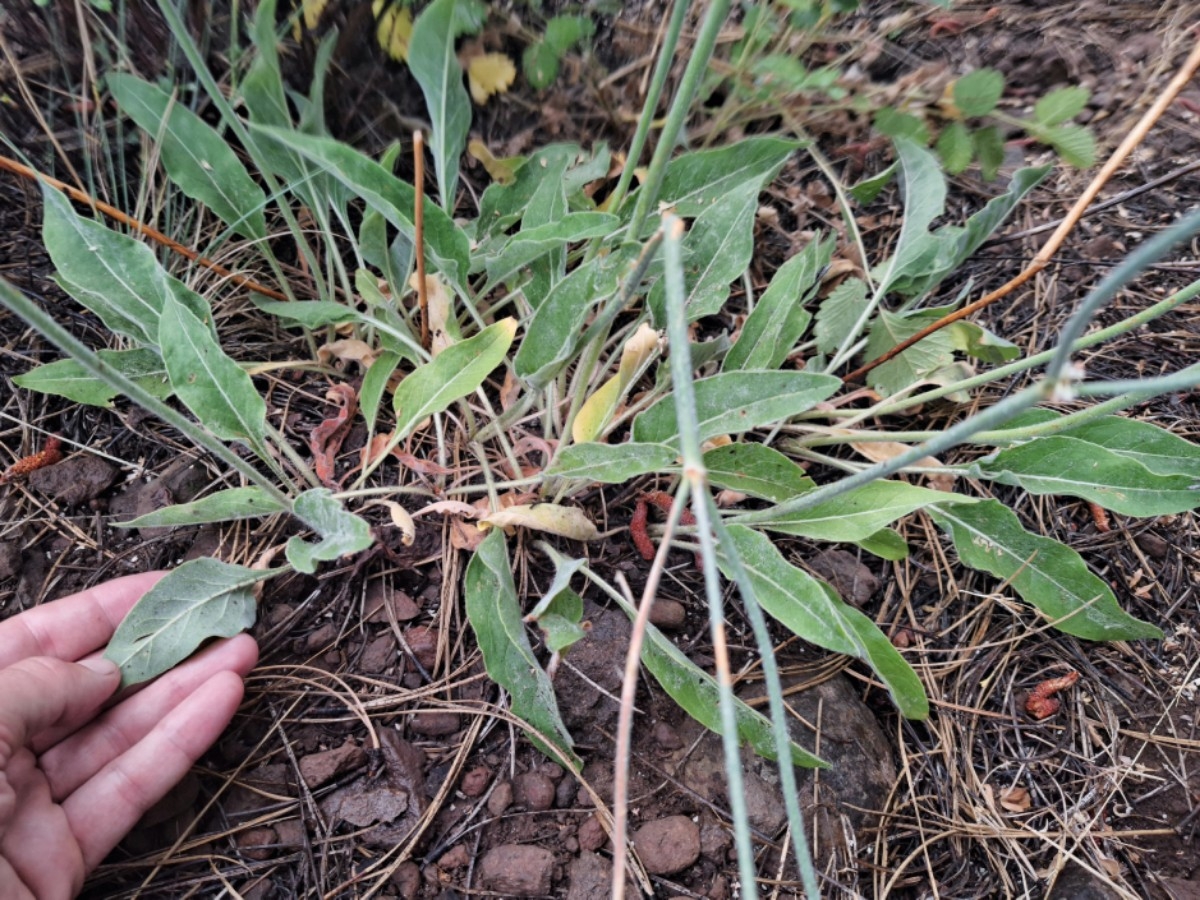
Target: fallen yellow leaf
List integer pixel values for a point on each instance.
(489, 73)
(393, 28)
(502, 169)
(566, 521)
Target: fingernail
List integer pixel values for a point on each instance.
(100, 666)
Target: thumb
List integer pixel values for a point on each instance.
(41, 692)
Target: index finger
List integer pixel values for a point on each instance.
(74, 626)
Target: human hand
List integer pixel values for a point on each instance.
(75, 777)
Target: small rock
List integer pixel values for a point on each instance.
(279, 614)
(589, 876)
(380, 598)
(564, 794)
(501, 799)
(533, 791)
(320, 639)
(669, 615)
(257, 843)
(379, 654)
(11, 556)
(1153, 545)
(455, 858)
(318, 768)
(668, 845)
(434, 724)
(719, 889)
(591, 834)
(519, 869)
(667, 737)
(475, 782)
(848, 576)
(552, 770)
(75, 480)
(406, 879)
(423, 642)
(715, 842)
(290, 834)
(1077, 883)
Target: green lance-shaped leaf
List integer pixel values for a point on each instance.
(434, 63)
(495, 615)
(202, 599)
(757, 470)
(1048, 575)
(196, 158)
(341, 533)
(813, 611)
(839, 313)
(1157, 449)
(451, 375)
(779, 318)
(1071, 467)
(859, 514)
(111, 274)
(447, 244)
(611, 463)
(924, 189)
(695, 181)
(223, 506)
(734, 402)
(717, 249)
(534, 243)
(67, 378)
(215, 388)
(556, 328)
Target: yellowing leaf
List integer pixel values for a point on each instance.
(489, 73)
(402, 520)
(442, 327)
(393, 28)
(311, 13)
(503, 170)
(599, 408)
(566, 521)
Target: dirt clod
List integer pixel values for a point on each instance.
(848, 576)
(407, 880)
(318, 768)
(501, 799)
(591, 834)
(257, 843)
(475, 781)
(74, 481)
(668, 845)
(533, 791)
(434, 724)
(518, 869)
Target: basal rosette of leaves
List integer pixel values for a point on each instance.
(562, 301)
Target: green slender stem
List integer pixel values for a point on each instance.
(29, 311)
(662, 68)
(647, 195)
(696, 478)
(1184, 379)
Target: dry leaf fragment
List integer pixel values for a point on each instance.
(598, 410)
(565, 521)
(440, 325)
(881, 451)
(489, 73)
(502, 169)
(326, 439)
(402, 520)
(1015, 799)
(347, 350)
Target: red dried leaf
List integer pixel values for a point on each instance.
(326, 439)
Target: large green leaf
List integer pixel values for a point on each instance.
(694, 181)
(215, 388)
(611, 463)
(1077, 468)
(734, 402)
(779, 318)
(434, 63)
(911, 366)
(196, 158)
(813, 611)
(859, 514)
(495, 615)
(757, 470)
(717, 249)
(447, 244)
(553, 334)
(1157, 449)
(923, 187)
(111, 274)
(451, 375)
(69, 379)
(223, 506)
(839, 313)
(202, 599)
(341, 532)
(1047, 574)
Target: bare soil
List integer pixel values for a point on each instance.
(372, 756)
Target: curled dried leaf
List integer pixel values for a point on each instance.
(1041, 702)
(566, 521)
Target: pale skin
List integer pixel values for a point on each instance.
(77, 770)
